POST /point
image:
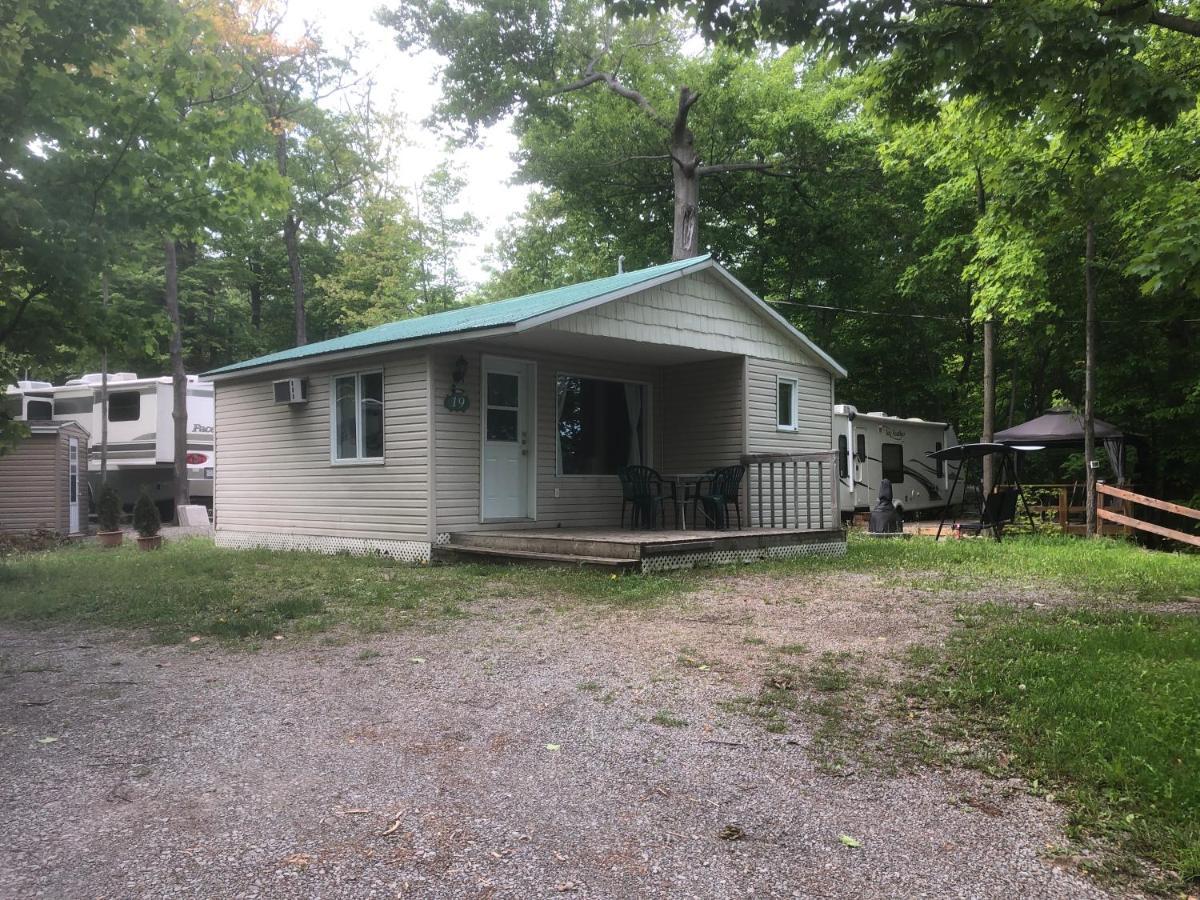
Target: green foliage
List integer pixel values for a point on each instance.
(108, 508)
(1103, 709)
(146, 520)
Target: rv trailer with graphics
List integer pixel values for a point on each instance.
(141, 434)
(873, 446)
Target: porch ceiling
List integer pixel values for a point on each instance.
(547, 340)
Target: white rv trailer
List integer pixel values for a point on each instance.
(873, 446)
(141, 430)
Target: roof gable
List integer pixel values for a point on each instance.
(517, 314)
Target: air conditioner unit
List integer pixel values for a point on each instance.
(291, 390)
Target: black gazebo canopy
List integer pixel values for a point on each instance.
(1064, 428)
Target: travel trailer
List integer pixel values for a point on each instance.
(141, 435)
(873, 446)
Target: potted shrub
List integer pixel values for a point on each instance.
(147, 522)
(108, 517)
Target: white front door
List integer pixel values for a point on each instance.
(507, 419)
(73, 483)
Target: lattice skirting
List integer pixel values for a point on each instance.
(416, 552)
(670, 561)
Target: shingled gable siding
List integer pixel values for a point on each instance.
(274, 472)
(583, 500)
(699, 311)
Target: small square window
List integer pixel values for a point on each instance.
(785, 396)
(124, 406)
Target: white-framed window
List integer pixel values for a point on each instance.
(785, 404)
(356, 417)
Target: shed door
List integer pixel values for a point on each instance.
(73, 483)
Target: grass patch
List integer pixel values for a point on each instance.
(792, 649)
(194, 588)
(1101, 708)
(668, 720)
(1110, 568)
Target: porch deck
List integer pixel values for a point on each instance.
(640, 551)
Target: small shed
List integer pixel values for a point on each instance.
(43, 480)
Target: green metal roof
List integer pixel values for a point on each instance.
(471, 318)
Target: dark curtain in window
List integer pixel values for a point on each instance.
(594, 429)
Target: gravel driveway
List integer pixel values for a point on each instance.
(525, 751)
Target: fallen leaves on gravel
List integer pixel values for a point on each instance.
(46, 740)
(732, 832)
(849, 841)
(553, 747)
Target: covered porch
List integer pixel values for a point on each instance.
(621, 550)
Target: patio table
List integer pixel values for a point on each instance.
(684, 483)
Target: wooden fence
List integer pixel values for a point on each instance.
(1129, 497)
(1062, 505)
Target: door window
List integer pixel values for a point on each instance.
(503, 414)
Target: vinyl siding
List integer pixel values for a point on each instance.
(700, 312)
(583, 500)
(703, 417)
(35, 486)
(275, 473)
(814, 419)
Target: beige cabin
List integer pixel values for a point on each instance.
(512, 417)
(43, 481)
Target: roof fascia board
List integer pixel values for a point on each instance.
(368, 350)
(760, 304)
(593, 302)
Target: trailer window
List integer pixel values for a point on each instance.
(843, 457)
(124, 406)
(892, 457)
(941, 463)
(38, 410)
(860, 447)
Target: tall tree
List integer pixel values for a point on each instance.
(290, 79)
(529, 57)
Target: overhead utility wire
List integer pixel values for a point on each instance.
(898, 315)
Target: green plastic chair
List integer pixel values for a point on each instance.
(647, 492)
(717, 493)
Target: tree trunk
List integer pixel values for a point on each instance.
(256, 305)
(291, 239)
(685, 172)
(1089, 376)
(988, 430)
(104, 388)
(178, 378)
(291, 230)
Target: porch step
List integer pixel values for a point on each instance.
(565, 546)
(464, 553)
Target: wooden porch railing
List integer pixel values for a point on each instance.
(1106, 490)
(793, 490)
